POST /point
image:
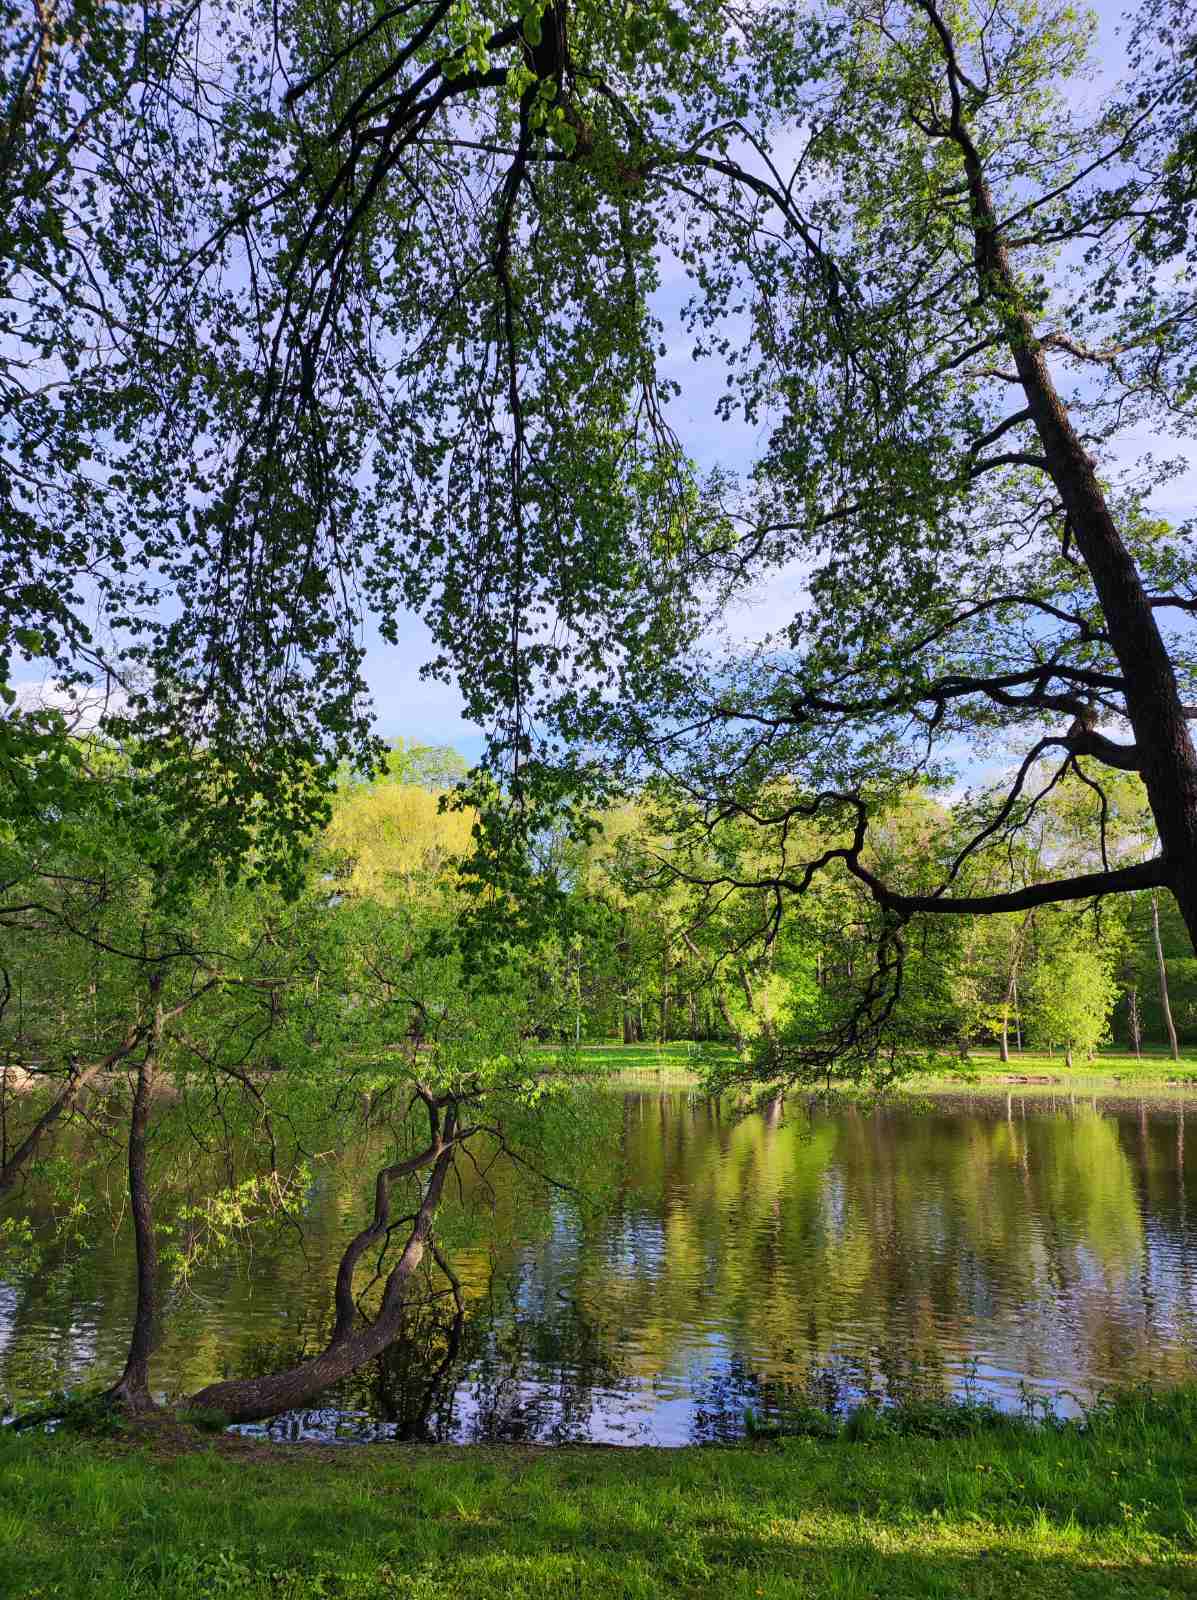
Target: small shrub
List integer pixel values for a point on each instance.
(89, 1412)
(949, 1419)
(869, 1424)
(796, 1422)
(809, 1422)
(206, 1421)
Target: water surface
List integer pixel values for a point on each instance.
(1007, 1246)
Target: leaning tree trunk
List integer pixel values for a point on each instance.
(351, 1345)
(1163, 752)
(15, 1164)
(68, 1097)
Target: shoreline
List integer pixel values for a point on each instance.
(1112, 1072)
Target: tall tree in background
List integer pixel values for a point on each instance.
(1070, 986)
(1162, 970)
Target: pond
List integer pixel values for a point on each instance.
(1007, 1246)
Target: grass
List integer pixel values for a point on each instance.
(1108, 1065)
(678, 1060)
(1009, 1509)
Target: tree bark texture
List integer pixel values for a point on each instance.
(132, 1389)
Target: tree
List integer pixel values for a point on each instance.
(943, 391)
(801, 986)
(392, 841)
(1072, 988)
(970, 572)
(1162, 970)
(998, 948)
(281, 1027)
(942, 307)
(635, 941)
(114, 123)
(436, 766)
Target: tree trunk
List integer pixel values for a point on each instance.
(350, 1346)
(733, 1033)
(1161, 964)
(1132, 1017)
(1164, 750)
(1011, 994)
(12, 1168)
(132, 1389)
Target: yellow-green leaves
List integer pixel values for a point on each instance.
(394, 840)
(468, 31)
(532, 25)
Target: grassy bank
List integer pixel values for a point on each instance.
(679, 1061)
(1153, 1067)
(1006, 1511)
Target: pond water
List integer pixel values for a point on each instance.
(1006, 1246)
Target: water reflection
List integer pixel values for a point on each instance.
(983, 1243)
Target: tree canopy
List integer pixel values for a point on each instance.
(335, 311)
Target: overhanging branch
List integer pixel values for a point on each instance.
(1087, 886)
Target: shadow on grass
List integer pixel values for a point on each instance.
(208, 1526)
(486, 1565)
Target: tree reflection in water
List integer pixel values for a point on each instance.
(730, 1263)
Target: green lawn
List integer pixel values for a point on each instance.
(679, 1060)
(1011, 1511)
(1155, 1066)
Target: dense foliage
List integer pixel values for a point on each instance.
(321, 309)
(315, 313)
(222, 1042)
